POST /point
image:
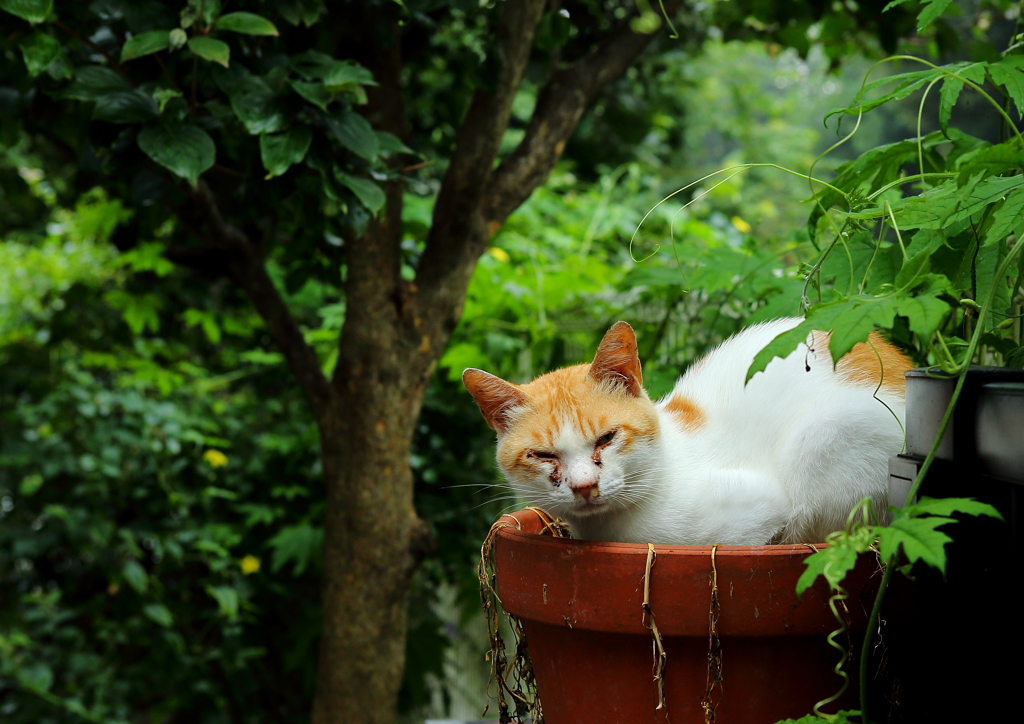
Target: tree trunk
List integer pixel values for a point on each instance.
(394, 333)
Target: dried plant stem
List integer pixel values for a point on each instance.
(660, 657)
(714, 645)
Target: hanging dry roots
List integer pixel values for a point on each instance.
(516, 678)
(660, 657)
(714, 646)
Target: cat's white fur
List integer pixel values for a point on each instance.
(784, 458)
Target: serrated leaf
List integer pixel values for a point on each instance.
(945, 204)
(1009, 73)
(131, 106)
(301, 544)
(1007, 219)
(991, 161)
(354, 132)
(913, 268)
(93, 81)
(951, 88)
(185, 150)
(369, 194)
(253, 102)
(39, 50)
(833, 563)
(280, 152)
(136, 576)
(34, 11)
(948, 506)
(145, 44)
(985, 267)
(315, 93)
(924, 313)
(159, 614)
(247, 23)
(216, 51)
(918, 538)
(815, 567)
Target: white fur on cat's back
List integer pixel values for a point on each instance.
(782, 459)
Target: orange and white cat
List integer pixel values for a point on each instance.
(782, 459)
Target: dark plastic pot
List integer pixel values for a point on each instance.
(581, 607)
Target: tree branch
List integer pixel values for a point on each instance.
(560, 105)
(244, 263)
(456, 213)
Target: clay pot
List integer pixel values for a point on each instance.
(580, 603)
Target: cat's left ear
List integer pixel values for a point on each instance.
(617, 360)
(495, 397)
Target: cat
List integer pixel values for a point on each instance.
(783, 459)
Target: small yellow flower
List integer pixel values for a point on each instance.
(499, 254)
(740, 224)
(249, 564)
(216, 458)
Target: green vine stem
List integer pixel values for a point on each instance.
(891, 563)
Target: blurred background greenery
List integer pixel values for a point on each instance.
(161, 502)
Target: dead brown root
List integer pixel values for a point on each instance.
(514, 679)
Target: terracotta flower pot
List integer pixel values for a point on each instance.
(580, 603)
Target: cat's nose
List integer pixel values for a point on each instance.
(587, 491)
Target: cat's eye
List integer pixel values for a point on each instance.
(605, 439)
(542, 455)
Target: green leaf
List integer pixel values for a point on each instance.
(833, 563)
(158, 613)
(315, 93)
(247, 23)
(924, 313)
(354, 132)
(301, 544)
(1009, 73)
(986, 264)
(35, 676)
(951, 88)
(255, 105)
(132, 106)
(39, 50)
(918, 539)
(391, 144)
(227, 599)
(1007, 219)
(913, 268)
(136, 576)
(145, 44)
(280, 152)
(215, 51)
(34, 11)
(93, 81)
(991, 161)
(369, 194)
(186, 151)
(932, 11)
(163, 96)
(948, 506)
(340, 75)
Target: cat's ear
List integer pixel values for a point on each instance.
(617, 360)
(494, 396)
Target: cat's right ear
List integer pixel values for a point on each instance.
(617, 360)
(494, 396)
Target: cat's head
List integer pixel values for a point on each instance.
(576, 441)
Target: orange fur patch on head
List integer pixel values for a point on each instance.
(870, 363)
(686, 411)
(617, 361)
(572, 397)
